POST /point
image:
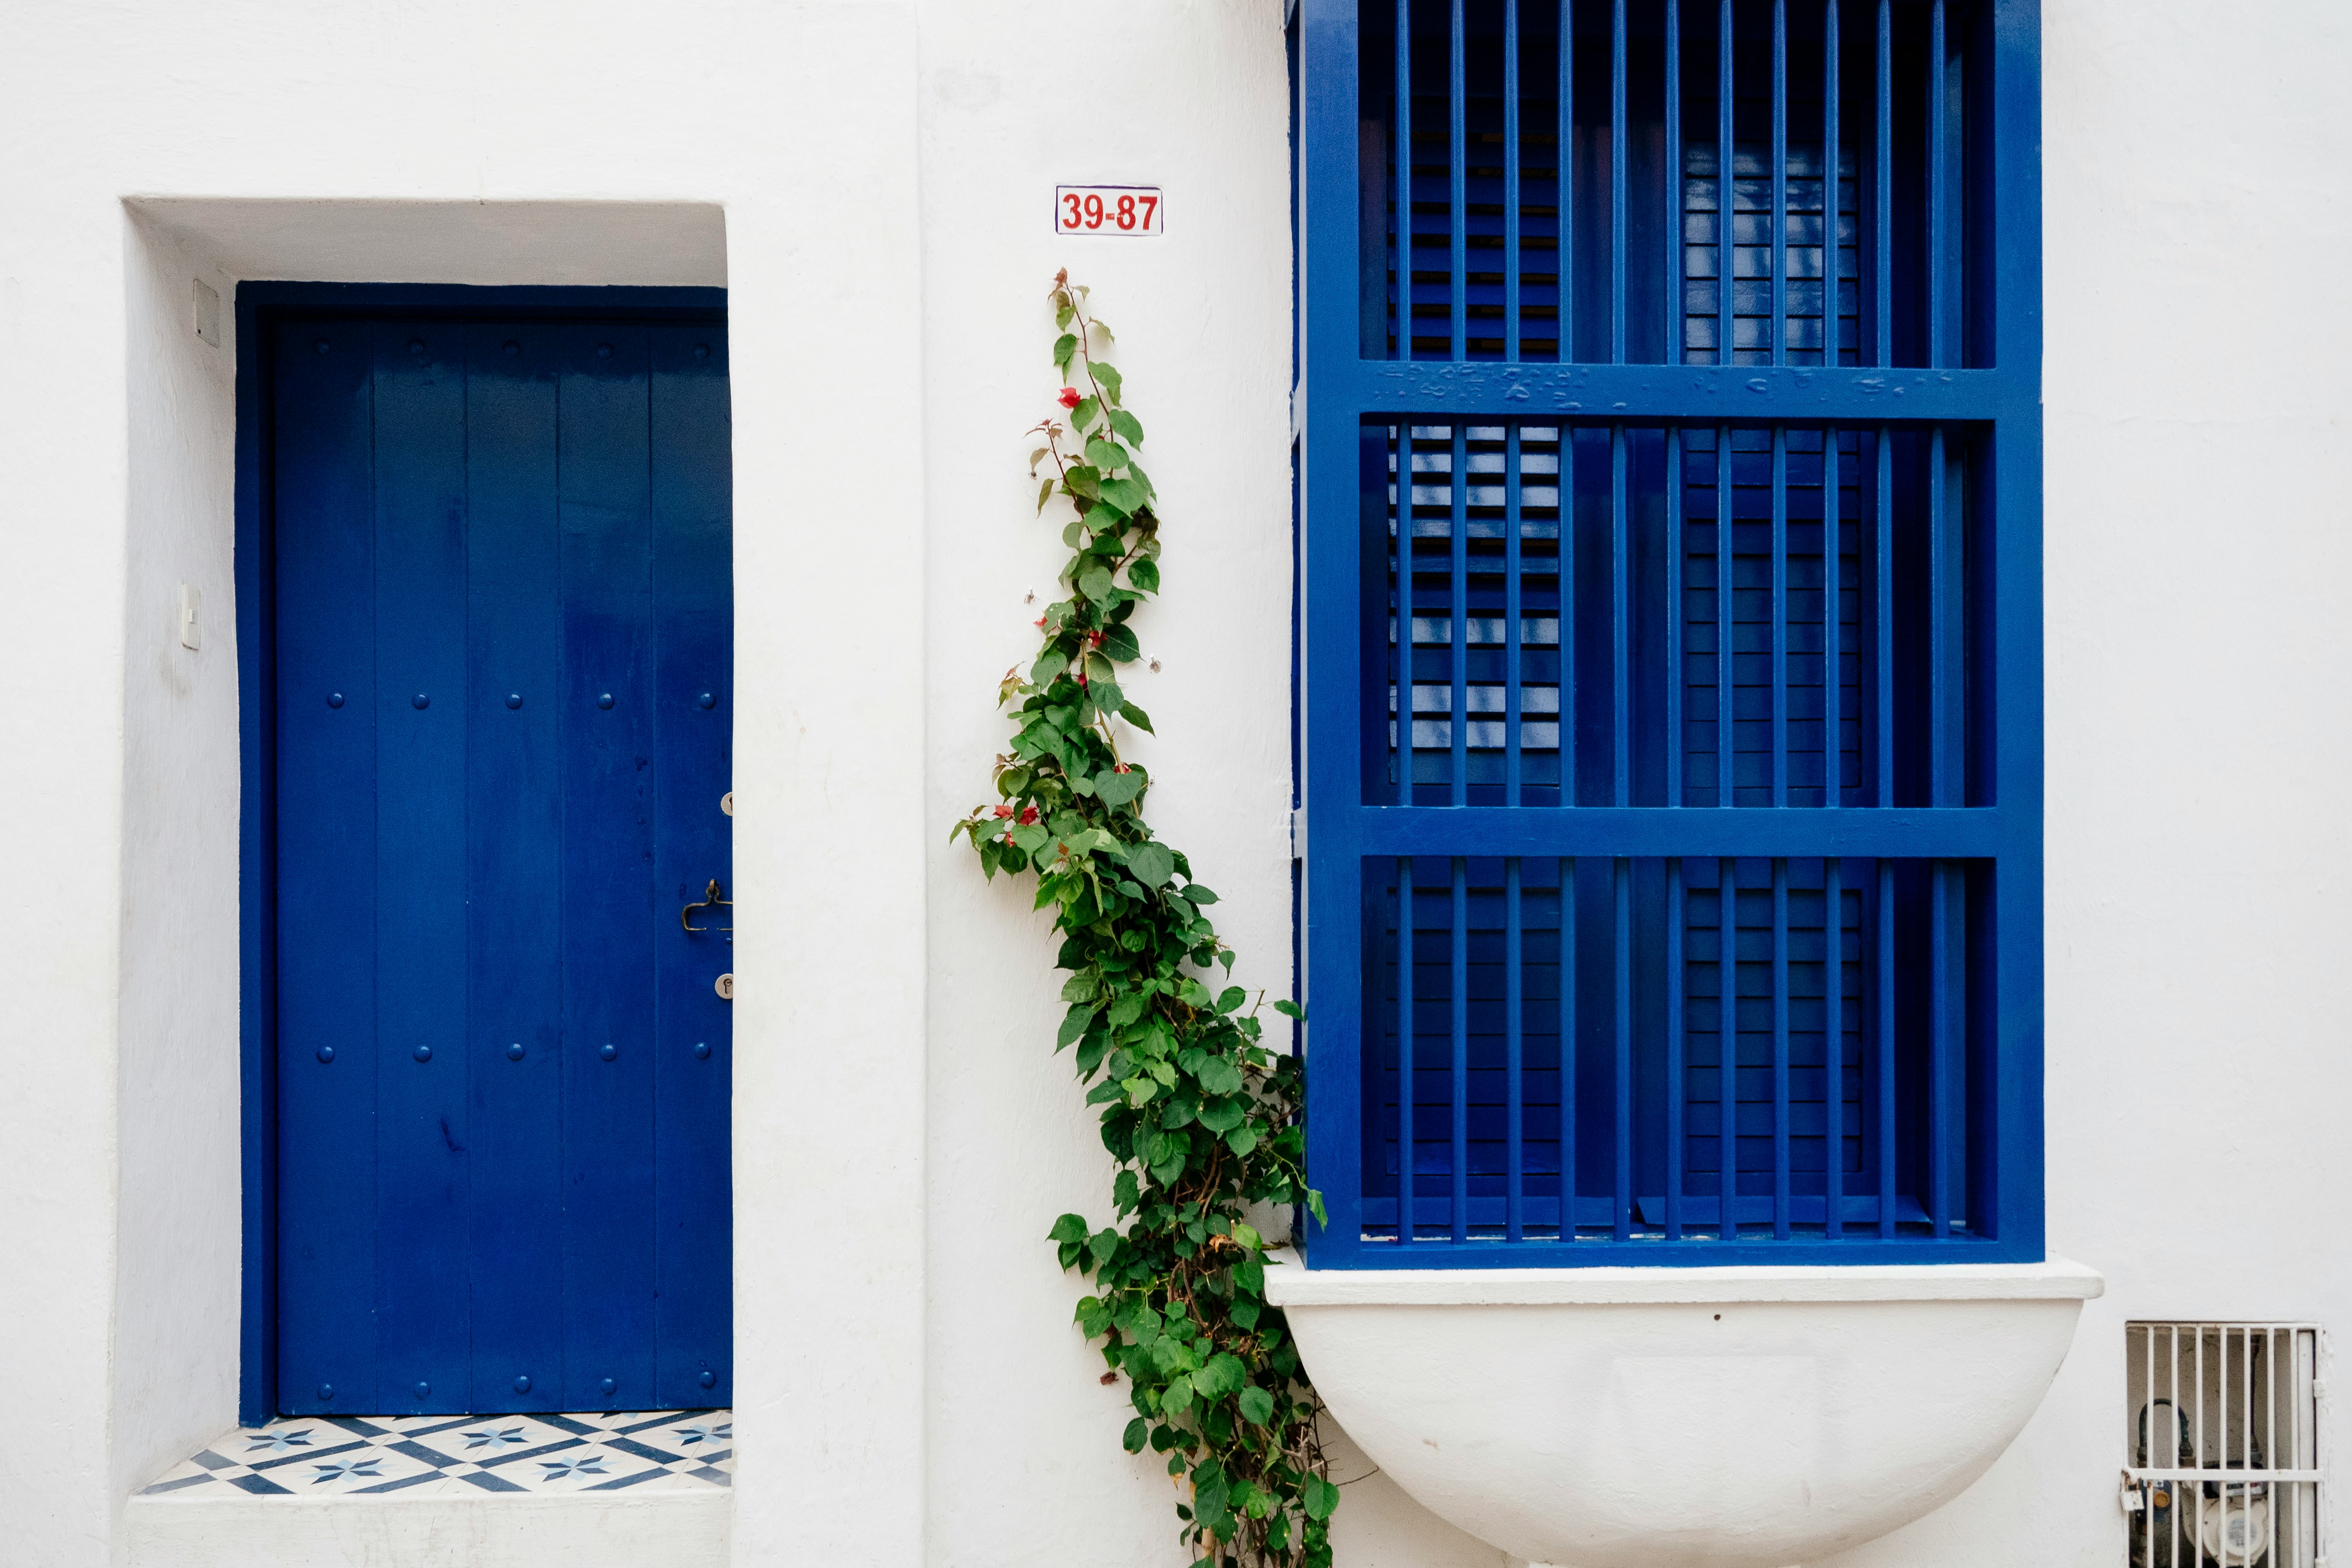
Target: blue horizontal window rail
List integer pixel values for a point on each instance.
(1670, 708)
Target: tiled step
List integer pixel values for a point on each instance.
(641, 1490)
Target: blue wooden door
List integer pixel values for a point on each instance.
(504, 662)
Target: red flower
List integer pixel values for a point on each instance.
(1070, 398)
(1029, 817)
(1040, 623)
(1094, 639)
(1123, 768)
(1004, 811)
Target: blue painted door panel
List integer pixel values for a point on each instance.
(505, 656)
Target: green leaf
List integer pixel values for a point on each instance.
(1082, 480)
(1240, 1140)
(1290, 1010)
(1070, 1227)
(1106, 695)
(1063, 347)
(1047, 670)
(1231, 997)
(1098, 668)
(1244, 1313)
(1144, 575)
(1321, 1498)
(1126, 495)
(1114, 788)
(1221, 1115)
(1109, 377)
(1084, 414)
(1107, 456)
(1119, 645)
(1137, 716)
(1197, 894)
(1074, 1022)
(1045, 494)
(1152, 863)
(1128, 425)
(1256, 1407)
(1167, 1170)
(1094, 584)
(1139, 1432)
(1218, 1075)
(1224, 1374)
(1103, 1246)
(1177, 1397)
(1139, 1321)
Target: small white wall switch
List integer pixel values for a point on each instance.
(192, 603)
(205, 299)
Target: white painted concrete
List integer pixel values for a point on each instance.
(1684, 1417)
(613, 1529)
(119, 1204)
(870, 182)
(1025, 1463)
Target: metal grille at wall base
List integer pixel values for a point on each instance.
(1670, 631)
(2222, 1445)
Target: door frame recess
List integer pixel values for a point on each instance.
(260, 307)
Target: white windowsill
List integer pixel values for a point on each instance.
(1289, 1285)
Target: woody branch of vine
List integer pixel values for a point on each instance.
(1200, 1117)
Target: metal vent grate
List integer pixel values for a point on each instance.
(2220, 1444)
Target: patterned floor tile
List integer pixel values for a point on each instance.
(346, 1455)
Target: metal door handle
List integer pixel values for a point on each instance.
(710, 900)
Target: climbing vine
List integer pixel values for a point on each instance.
(1201, 1117)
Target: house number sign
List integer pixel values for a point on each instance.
(1131, 211)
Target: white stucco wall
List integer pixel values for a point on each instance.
(870, 181)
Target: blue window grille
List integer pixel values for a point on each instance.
(1670, 673)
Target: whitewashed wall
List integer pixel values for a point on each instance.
(871, 182)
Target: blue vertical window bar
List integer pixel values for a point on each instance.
(1670, 744)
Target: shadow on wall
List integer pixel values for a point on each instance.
(1378, 1526)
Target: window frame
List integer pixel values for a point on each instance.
(1339, 390)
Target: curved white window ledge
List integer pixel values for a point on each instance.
(1671, 1417)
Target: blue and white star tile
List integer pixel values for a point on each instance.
(346, 1455)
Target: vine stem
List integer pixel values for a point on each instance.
(1200, 1122)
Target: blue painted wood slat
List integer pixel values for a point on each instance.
(693, 720)
(514, 836)
(610, 926)
(324, 485)
(423, 1134)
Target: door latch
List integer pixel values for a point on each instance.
(710, 900)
